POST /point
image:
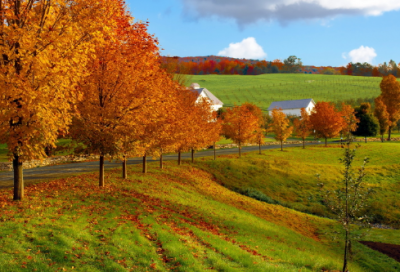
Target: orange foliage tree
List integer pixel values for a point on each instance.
(44, 48)
(390, 95)
(350, 121)
(121, 90)
(382, 115)
(326, 121)
(240, 125)
(280, 126)
(302, 126)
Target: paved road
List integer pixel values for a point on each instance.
(56, 171)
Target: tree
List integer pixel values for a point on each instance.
(349, 202)
(44, 48)
(350, 121)
(240, 125)
(326, 121)
(382, 115)
(280, 126)
(292, 64)
(390, 95)
(368, 125)
(122, 91)
(302, 126)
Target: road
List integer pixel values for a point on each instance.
(56, 171)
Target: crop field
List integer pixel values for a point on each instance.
(264, 89)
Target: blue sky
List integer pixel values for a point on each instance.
(320, 32)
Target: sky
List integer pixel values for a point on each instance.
(319, 32)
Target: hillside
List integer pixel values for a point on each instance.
(264, 89)
(179, 219)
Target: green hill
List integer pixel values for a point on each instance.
(180, 219)
(266, 88)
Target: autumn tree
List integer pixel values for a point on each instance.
(240, 125)
(368, 125)
(302, 125)
(390, 96)
(326, 121)
(382, 115)
(44, 48)
(281, 126)
(121, 90)
(350, 121)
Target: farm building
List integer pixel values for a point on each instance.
(293, 107)
(204, 93)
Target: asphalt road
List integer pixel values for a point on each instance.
(57, 171)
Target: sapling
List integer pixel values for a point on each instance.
(349, 202)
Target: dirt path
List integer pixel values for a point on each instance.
(390, 250)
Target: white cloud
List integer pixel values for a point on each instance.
(362, 54)
(248, 49)
(251, 11)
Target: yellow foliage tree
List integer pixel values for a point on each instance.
(280, 126)
(240, 125)
(382, 115)
(44, 48)
(350, 121)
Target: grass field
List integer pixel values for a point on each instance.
(181, 219)
(289, 177)
(264, 89)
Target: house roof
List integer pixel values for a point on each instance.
(213, 98)
(291, 104)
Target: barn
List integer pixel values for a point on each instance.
(204, 93)
(293, 107)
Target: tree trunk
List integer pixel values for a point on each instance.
(161, 161)
(240, 150)
(382, 138)
(281, 145)
(124, 169)
(259, 148)
(192, 155)
(390, 133)
(304, 143)
(346, 249)
(145, 164)
(101, 174)
(365, 139)
(215, 154)
(326, 142)
(179, 158)
(18, 179)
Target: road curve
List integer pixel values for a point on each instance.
(56, 171)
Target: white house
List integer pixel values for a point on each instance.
(204, 93)
(293, 107)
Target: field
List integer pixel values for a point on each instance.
(264, 89)
(183, 219)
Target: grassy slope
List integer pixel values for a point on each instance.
(177, 219)
(290, 177)
(264, 89)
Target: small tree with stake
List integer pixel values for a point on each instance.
(349, 203)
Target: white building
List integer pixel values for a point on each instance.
(206, 94)
(293, 107)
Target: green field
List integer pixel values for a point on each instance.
(289, 178)
(183, 219)
(266, 88)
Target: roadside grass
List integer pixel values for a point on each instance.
(178, 219)
(289, 177)
(264, 89)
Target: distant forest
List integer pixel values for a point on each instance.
(230, 66)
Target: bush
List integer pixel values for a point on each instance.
(253, 193)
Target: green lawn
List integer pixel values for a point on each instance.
(183, 219)
(289, 177)
(264, 89)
